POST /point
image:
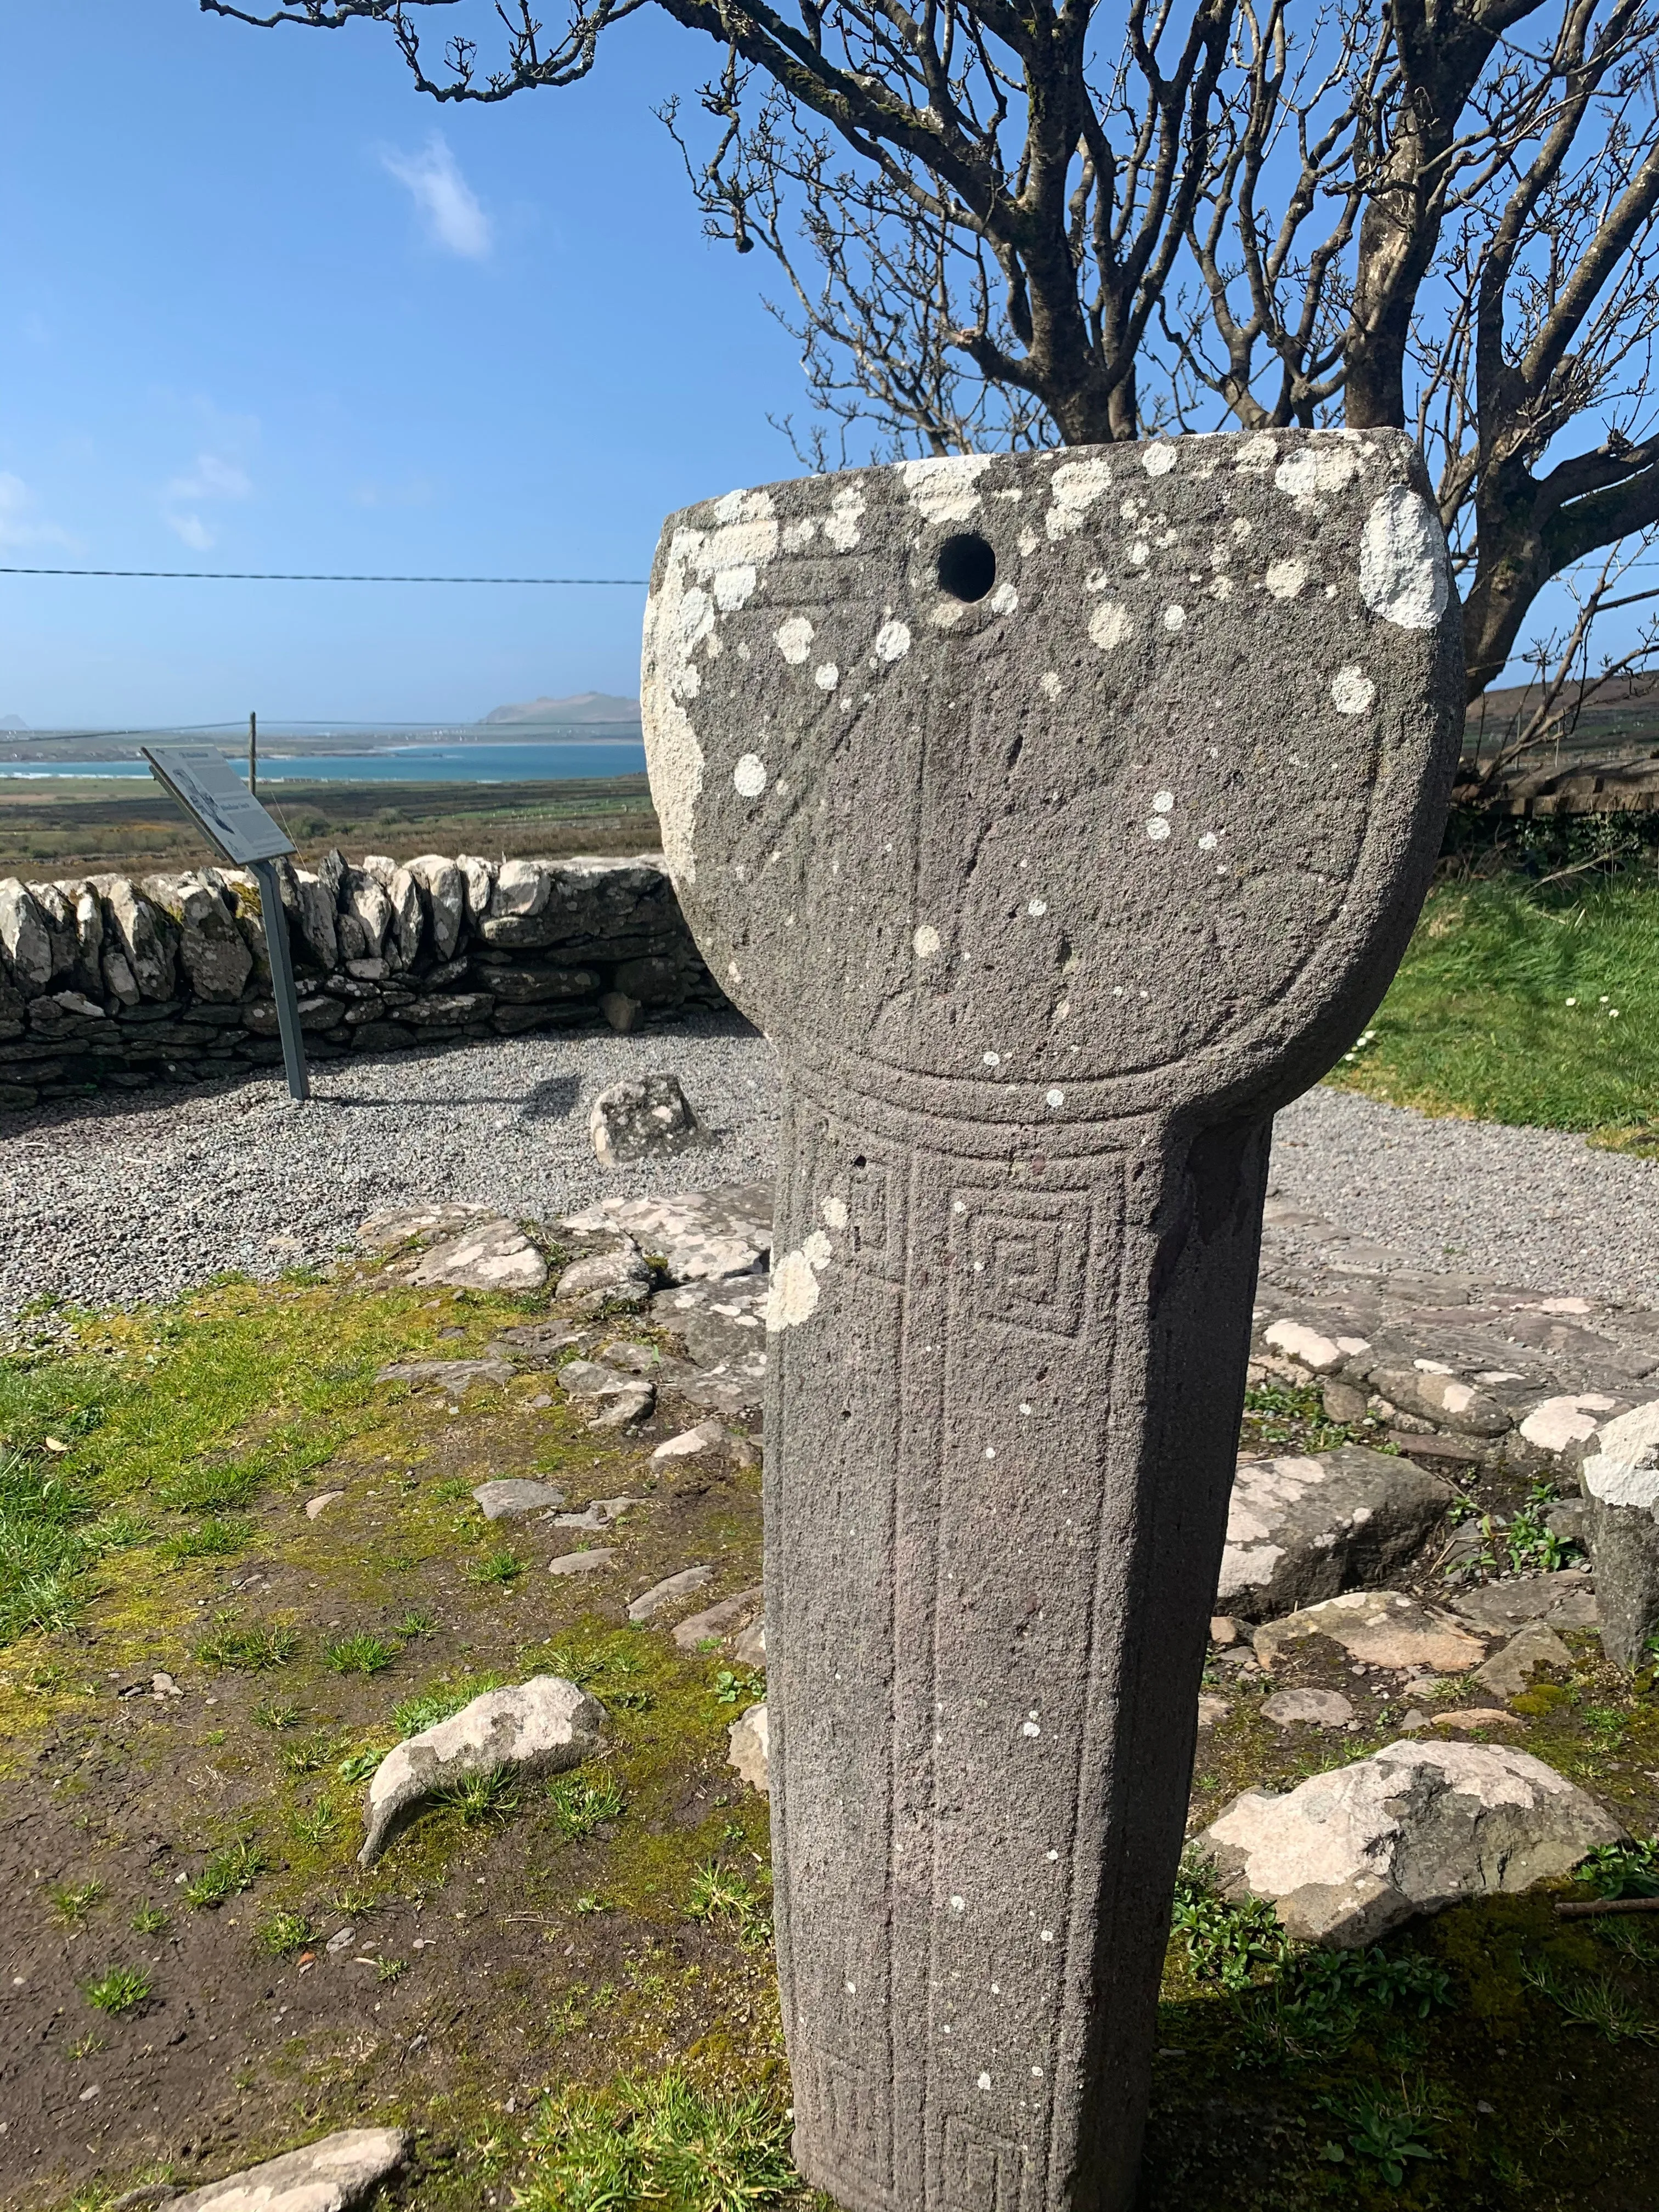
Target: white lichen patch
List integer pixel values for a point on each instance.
(926, 941)
(793, 639)
(1111, 625)
(794, 1296)
(1051, 687)
(1158, 461)
(1284, 578)
(846, 511)
(1261, 451)
(1351, 690)
(734, 587)
(947, 489)
(749, 777)
(1175, 617)
(1004, 600)
(1624, 1468)
(1158, 828)
(834, 1211)
(1073, 489)
(798, 535)
(1163, 802)
(892, 640)
(1028, 543)
(826, 676)
(678, 616)
(1314, 469)
(1402, 561)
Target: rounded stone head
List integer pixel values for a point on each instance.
(1060, 786)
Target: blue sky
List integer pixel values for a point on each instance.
(262, 305)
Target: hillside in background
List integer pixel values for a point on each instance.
(582, 707)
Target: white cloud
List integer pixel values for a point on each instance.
(18, 530)
(454, 219)
(209, 476)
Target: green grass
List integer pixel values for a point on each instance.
(279, 1933)
(358, 1655)
(1531, 1004)
(250, 1650)
(237, 1867)
(72, 1901)
(118, 1989)
(581, 1804)
(660, 2141)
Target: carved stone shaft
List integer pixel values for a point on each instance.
(1059, 817)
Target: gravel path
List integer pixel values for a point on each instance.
(122, 1198)
(1534, 1207)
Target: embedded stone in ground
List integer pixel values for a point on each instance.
(669, 1591)
(707, 1437)
(641, 1120)
(493, 1255)
(1621, 1480)
(1565, 1599)
(717, 1621)
(602, 1513)
(512, 1496)
(1345, 1857)
(1379, 1626)
(537, 1726)
(457, 1377)
(698, 1235)
(748, 1648)
(1211, 1709)
(1509, 1672)
(1300, 1529)
(750, 1749)
(331, 2175)
(316, 1507)
(1316, 1708)
(609, 1399)
(581, 1562)
(621, 1277)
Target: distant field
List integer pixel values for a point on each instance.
(69, 826)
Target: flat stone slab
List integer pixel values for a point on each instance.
(512, 1496)
(1509, 1672)
(750, 1749)
(1303, 1527)
(581, 1562)
(410, 1224)
(492, 1255)
(331, 2175)
(538, 1727)
(602, 1513)
(669, 1591)
(457, 1377)
(1564, 1600)
(1346, 1856)
(697, 1235)
(622, 1275)
(1379, 1626)
(717, 1620)
(1327, 1709)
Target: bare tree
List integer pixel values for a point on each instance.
(1025, 221)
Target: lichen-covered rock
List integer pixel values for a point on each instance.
(493, 1255)
(750, 1749)
(697, 1234)
(1300, 1529)
(511, 1496)
(1509, 1672)
(331, 2175)
(521, 887)
(669, 1591)
(1345, 1857)
(623, 1275)
(541, 1726)
(445, 892)
(1620, 1476)
(140, 934)
(25, 938)
(1379, 1626)
(641, 1120)
(212, 951)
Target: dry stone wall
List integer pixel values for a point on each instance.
(106, 981)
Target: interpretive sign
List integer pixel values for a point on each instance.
(1058, 817)
(214, 797)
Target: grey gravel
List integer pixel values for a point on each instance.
(117, 1199)
(1535, 1208)
(122, 1198)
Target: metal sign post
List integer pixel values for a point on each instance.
(210, 792)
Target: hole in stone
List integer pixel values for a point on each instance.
(967, 566)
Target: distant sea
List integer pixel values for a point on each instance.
(553, 763)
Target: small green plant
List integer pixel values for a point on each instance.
(119, 1989)
(1606, 1725)
(216, 1537)
(237, 1867)
(1532, 1546)
(87, 2046)
(277, 1713)
(1231, 1944)
(478, 1797)
(719, 1893)
(306, 1754)
(417, 1714)
(743, 1688)
(659, 2141)
(282, 1932)
(359, 1766)
(1385, 2129)
(250, 1650)
(362, 1654)
(317, 1827)
(589, 1901)
(149, 1919)
(390, 1970)
(1593, 2000)
(504, 1567)
(414, 1624)
(580, 1805)
(72, 1901)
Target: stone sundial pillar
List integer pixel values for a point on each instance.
(1058, 817)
